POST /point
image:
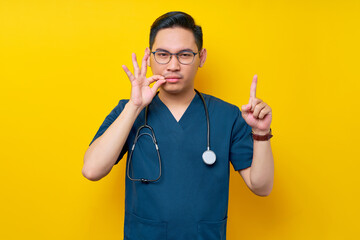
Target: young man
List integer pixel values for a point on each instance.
(178, 164)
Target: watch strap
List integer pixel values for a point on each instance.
(265, 137)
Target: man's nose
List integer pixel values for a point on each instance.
(174, 64)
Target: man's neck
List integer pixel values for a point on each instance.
(177, 103)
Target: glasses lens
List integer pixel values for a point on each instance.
(186, 57)
(162, 57)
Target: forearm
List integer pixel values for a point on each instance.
(102, 154)
(262, 168)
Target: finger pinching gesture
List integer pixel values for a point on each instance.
(257, 113)
(141, 92)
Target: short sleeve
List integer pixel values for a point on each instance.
(241, 149)
(108, 121)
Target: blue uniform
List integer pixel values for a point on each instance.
(190, 201)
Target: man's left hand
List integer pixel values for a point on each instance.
(257, 113)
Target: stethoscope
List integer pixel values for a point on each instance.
(209, 157)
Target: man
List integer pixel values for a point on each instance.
(171, 193)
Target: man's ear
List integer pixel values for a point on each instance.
(147, 50)
(203, 54)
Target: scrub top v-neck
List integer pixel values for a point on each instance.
(187, 113)
(190, 200)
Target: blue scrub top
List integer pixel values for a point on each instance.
(190, 200)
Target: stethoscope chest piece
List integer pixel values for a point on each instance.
(209, 157)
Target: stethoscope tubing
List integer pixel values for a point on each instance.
(209, 156)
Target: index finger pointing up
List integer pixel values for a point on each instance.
(253, 87)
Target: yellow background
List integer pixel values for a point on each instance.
(61, 75)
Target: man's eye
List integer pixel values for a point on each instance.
(160, 54)
(185, 55)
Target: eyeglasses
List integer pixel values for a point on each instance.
(185, 57)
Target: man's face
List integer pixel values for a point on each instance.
(180, 77)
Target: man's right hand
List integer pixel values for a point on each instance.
(141, 92)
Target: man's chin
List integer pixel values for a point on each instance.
(171, 88)
(176, 89)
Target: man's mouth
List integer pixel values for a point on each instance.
(172, 78)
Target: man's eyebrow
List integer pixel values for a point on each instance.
(160, 49)
(186, 49)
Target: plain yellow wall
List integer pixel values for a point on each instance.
(61, 75)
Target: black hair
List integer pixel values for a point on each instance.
(176, 19)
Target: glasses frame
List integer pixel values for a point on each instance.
(177, 56)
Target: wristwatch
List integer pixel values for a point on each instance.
(265, 137)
